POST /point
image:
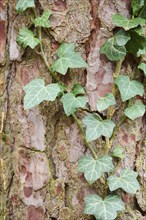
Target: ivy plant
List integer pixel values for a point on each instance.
(22, 5)
(127, 181)
(128, 40)
(118, 151)
(103, 208)
(104, 102)
(95, 127)
(93, 169)
(67, 58)
(36, 92)
(27, 38)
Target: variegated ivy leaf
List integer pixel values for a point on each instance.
(118, 152)
(22, 5)
(129, 89)
(112, 50)
(94, 169)
(135, 111)
(36, 92)
(72, 103)
(68, 58)
(127, 181)
(27, 38)
(106, 101)
(121, 38)
(78, 89)
(43, 21)
(96, 128)
(103, 209)
(127, 24)
(142, 67)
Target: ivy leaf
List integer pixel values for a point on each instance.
(113, 51)
(142, 66)
(36, 92)
(65, 49)
(68, 58)
(136, 42)
(94, 169)
(129, 89)
(26, 38)
(78, 89)
(103, 209)
(141, 52)
(121, 21)
(121, 37)
(118, 152)
(72, 103)
(127, 181)
(43, 20)
(135, 111)
(96, 128)
(22, 5)
(137, 6)
(106, 101)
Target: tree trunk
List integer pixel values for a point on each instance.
(40, 148)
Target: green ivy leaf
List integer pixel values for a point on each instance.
(43, 20)
(26, 38)
(141, 52)
(136, 42)
(137, 6)
(135, 111)
(139, 30)
(103, 209)
(129, 89)
(121, 21)
(72, 103)
(106, 101)
(94, 169)
(22, 5)
(65, 49)
(118, 152)
(96, 128)
(36, 92)
(142, 66)
(68, 58)
(78, 89)
(113, 51)
(127, 181)
(121, 38)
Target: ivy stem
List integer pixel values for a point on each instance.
(84, 136)
(118, 165)
(122, 119)
(142, 10)
(43, 55)
(111, 109)
(88, 110)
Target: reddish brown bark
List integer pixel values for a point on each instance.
(41, 147)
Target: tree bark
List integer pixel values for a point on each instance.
(40, 148)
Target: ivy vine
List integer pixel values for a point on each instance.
(129, 39)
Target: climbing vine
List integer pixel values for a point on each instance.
(128, 39)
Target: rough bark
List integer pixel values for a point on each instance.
(40, 147)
